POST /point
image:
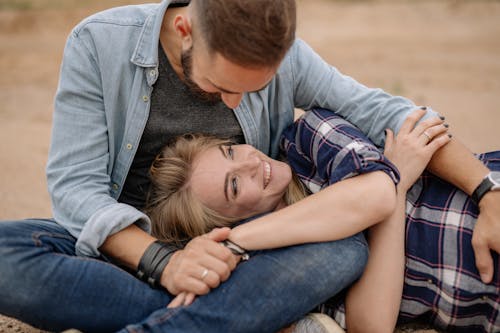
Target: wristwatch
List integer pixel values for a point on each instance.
(490, 183)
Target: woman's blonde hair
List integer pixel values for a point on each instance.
(176, 214)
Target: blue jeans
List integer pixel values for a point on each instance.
(44, 284)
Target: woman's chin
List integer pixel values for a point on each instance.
(282, 174)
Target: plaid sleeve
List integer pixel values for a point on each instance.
(323, 149)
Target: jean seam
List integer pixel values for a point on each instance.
(157, 320)
(38, 242)
(166, 316)
(36, 239)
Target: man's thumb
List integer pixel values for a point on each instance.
(484, 261)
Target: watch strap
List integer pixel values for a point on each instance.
(484, 187)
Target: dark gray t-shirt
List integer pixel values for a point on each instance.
(174, 111)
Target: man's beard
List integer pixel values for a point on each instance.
(187, 68)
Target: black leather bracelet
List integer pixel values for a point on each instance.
(236, 249)
(159, 265)
(153, 262)
(144, 270)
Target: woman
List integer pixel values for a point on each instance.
(324, 150)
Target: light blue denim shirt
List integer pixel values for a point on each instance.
(102, 104)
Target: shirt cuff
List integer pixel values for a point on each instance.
(106, 222)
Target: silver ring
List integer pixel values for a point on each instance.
(204, 274)
(429, 138)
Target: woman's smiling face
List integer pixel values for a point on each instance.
(239, 181)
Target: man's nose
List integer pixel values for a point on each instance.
(231, 100)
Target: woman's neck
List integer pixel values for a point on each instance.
(281, 204)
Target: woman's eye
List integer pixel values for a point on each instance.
(234, 186)
(230, 151)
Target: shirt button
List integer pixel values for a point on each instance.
(129, 146)
(145, 98)
(152, 72)
(115, 187)
(429, 281)
(484, 298)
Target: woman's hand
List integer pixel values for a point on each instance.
(183, 299)
(202, 265)
(413, 147)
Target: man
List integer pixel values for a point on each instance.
(132, 79)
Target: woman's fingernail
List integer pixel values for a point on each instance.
(450, 136)
(446, 125)
(423, 108)
(442, 117)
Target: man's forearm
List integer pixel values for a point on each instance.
(127, 246)
(456, 164)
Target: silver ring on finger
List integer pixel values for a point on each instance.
(204, 274)
(427, 135)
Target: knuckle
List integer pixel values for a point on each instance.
(476, 242)
(226, 255)
(189, 253)
(195, 241)
(225, 274)
(203, 290)
(218, 272)
(214, 282)
(233, 265)
(222, 273)
(482, 265)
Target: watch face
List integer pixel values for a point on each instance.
(495, 178)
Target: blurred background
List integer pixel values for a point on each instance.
(444, 54)
(439, 53)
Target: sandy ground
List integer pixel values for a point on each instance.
(439, 53)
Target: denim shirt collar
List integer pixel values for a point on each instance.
(146, 50)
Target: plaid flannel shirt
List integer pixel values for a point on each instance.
(442, 285)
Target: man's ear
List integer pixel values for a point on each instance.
(182, 26)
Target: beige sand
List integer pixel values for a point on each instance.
(439, 53)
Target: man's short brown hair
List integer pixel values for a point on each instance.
(252, 33)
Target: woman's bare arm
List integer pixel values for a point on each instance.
(340, 210)
(372, 304)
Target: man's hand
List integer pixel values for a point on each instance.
(486, 234)
(202, 265)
